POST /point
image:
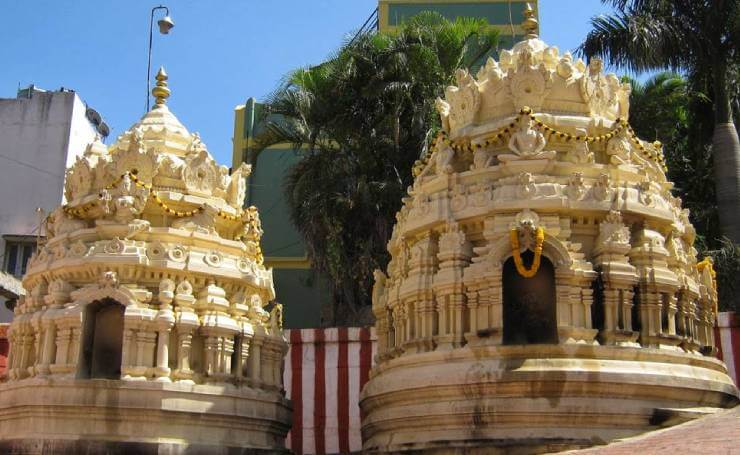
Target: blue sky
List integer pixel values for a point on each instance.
(218, 55)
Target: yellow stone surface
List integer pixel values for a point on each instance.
(144, 319)
(616, 321)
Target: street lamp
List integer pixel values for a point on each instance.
(165, 25)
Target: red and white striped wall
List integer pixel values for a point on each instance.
(325, 369)
(728, 341)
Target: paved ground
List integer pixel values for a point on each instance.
(715, 434)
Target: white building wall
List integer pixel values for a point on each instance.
(39, 137)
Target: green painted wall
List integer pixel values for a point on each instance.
(301, 292)
(281, 239)
(494, 13)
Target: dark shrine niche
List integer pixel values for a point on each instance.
(530, 314)
(102, 340)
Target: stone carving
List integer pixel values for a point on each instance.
(613, 231)
(166, 291)
(482, 158)
(126, 201)
(170, 166)
(576, 186)
(109, 279)
(602, 188)
(59, 223)
(565, 67)
(618, 149)
(491, 72)
(114, 246)
(527, 144)
(443, 159)
(443, 108)
(527, 188)
(596, 89)
(200, 174)
(530, 83)
(579, 152)
(464, 99)
(276, 318)
(526, 222)
(237, 186)
(203, 221)
(135, 157)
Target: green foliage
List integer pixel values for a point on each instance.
(701, 39)
(361, 119)
(727, 264)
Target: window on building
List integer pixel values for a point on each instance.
(18, 250)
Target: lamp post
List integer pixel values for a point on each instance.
(165, 25)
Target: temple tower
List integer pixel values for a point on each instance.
(543, 292)
(144, 327)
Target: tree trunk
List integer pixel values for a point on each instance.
(726, 155)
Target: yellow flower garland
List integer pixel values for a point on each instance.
(82, 210)
(503, 133)
(539, 240)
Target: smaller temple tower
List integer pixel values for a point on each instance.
(144, 325)
(543, 292)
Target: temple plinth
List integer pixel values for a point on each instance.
(543, 291)
(145, 327)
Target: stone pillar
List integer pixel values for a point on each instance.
(184, 344)
(266, 375)
(254, 361)
(49, 350)
(242, 357)
(27, 343)
(669, 305)
(226, 353)
(211, 351)
(626, 301)
(162, 371)
(128, 352)
(611, 309)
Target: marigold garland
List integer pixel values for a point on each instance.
(82, 210)
(539, 241)
(504, 132)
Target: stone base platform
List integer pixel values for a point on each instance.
(69, 416)
(531, 399)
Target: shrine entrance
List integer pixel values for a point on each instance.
(102, 340)
(530, 315)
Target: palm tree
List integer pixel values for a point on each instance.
(360, 120)
(700, 38)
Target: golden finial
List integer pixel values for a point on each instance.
(530, 24)
(160, 90)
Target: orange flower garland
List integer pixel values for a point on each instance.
(539, 240)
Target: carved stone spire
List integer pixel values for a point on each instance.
(160, 90)
(530, 24)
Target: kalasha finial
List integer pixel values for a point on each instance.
(530, 24)
(160, 90)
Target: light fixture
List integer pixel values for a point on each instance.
(165, 25)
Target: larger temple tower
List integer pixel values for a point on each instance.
(144, 328)
(543, 292)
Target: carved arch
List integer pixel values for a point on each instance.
(553, 249)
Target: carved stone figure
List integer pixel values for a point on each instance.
(618, 149)
(579, 152)
(527, 144)
(203, 221)
(59, 223)
(236, 190)
(463, 99)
